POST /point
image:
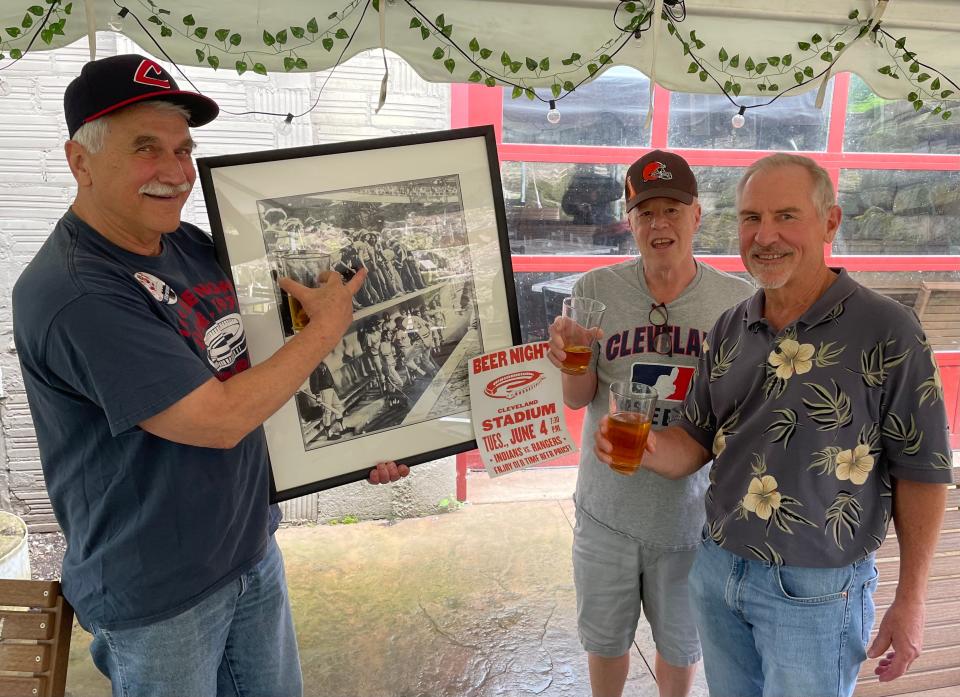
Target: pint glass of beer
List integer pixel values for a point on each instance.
(580, 315)
(305, 268)
(631, 411)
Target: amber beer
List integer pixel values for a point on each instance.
(577, 360)
(304, 267)
(628, 434)
(298, 317)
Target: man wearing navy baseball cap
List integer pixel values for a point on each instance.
(636, 534)
(151, 439)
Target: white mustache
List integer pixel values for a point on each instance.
(158, 189)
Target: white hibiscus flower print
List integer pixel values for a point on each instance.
(791, 357)
(719, 443)
(762, 496)
(855, 465)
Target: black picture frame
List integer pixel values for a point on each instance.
(424, 213)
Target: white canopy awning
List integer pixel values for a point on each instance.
(757, 47)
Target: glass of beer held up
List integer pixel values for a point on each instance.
(305, 268)
(580, 317)
(631, 411)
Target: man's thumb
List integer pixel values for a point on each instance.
(880, 644)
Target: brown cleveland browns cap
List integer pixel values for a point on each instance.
(659, 173)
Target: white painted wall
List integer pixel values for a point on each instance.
(36, 187)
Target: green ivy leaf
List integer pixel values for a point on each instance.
(945, 94)
(189, 20)
(938, 109)
(490, 82)
(449, 64)
(923, 77)
(912, 97)
(517, 91)
(775, 87)
(555, 89)
(693, 67)
(884, 70)
(816, 38)
(69, 8)
(475, 76)
(46, 35)
(787, 59)
(298, 32)
(332, 15)
(376, 5)
(808, 71)
(760, 68)
(908, 56)
(693, 35)
(798, 76)
(166, 31)
(901, 42)
(415, 22)
(735, 61)
(853, 14)
(235, 39)
(447, 30)
(213, 61)
(515, 66)
(703, 76)
(569, 86)
(914, 67)
(302, 64)
(282, 36)
(803, 45)
(438, 53)
(945, 115)
(341, 33)
(201, 56)
(630, 7)
(485, 53)
(604, 59)
(505, 59)
(288, 63)
(27, 21)
(773, 60)
(35, 10)
(918, 105)
(439, 21)
(221, 34)
(531, 95)
(16, 53)
(838, 46)
(826, 56)
(474, 45)
(241, 67)
(327, 43)
(592, 68)
(699, 44)
(200, 33)
(749, 64)
(312, 26)
(671, 29)
(544, 64)
(935, 85)
(531, 64)
(723, 54)
(424, 33)
(762, 87)
(268, 38)
(736, 88)
(727, 85)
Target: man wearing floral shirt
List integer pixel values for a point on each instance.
(820, 403)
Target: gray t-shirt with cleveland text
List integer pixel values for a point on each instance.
(644, 506)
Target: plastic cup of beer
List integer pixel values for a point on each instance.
(631, 411)
(584, 315)
(305, 268)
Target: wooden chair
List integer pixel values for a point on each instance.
(35, 626)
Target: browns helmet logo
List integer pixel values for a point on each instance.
(655, 170)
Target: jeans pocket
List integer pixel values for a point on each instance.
(813, 586)
(869, 607)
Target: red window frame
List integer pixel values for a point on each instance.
(476, 104)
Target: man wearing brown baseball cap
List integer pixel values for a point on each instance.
(636, 535)
(150, 440)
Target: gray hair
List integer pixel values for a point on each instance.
(93, 134)
(823, 195)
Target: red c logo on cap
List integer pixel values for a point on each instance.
(143, 75)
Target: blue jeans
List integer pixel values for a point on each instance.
(239, 641)
(781, 631)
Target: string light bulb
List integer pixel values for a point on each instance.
(553, 116)
(286, 126)
(4, 87)
(738, 119)
(115, 23)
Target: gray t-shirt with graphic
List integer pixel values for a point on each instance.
(656, 511)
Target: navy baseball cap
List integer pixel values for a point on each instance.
(109, 84)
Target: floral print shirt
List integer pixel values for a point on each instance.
(809, 425)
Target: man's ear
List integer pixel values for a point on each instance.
(698, 212)
(834, 216)
(79, 160)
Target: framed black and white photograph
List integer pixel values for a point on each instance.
(424, 215)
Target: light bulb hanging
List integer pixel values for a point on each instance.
(115, 23)
(553, 115)
(4, 87)
(738, 119)
(285, 127)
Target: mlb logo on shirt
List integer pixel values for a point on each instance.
(670, 381)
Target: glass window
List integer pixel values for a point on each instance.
(608, 111)
(875, 124)
(899, 212)
(717, 187)
(790, 123)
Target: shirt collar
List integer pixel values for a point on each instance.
(839, 290)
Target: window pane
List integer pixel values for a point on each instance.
(899, 212)
(609, 110)
(539, 296)
(565, 208)
(875, 124)
(790, 123)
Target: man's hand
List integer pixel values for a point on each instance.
(331, 301)
(386, 472)
(603, 448)
(566, 332)
(901, 628)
